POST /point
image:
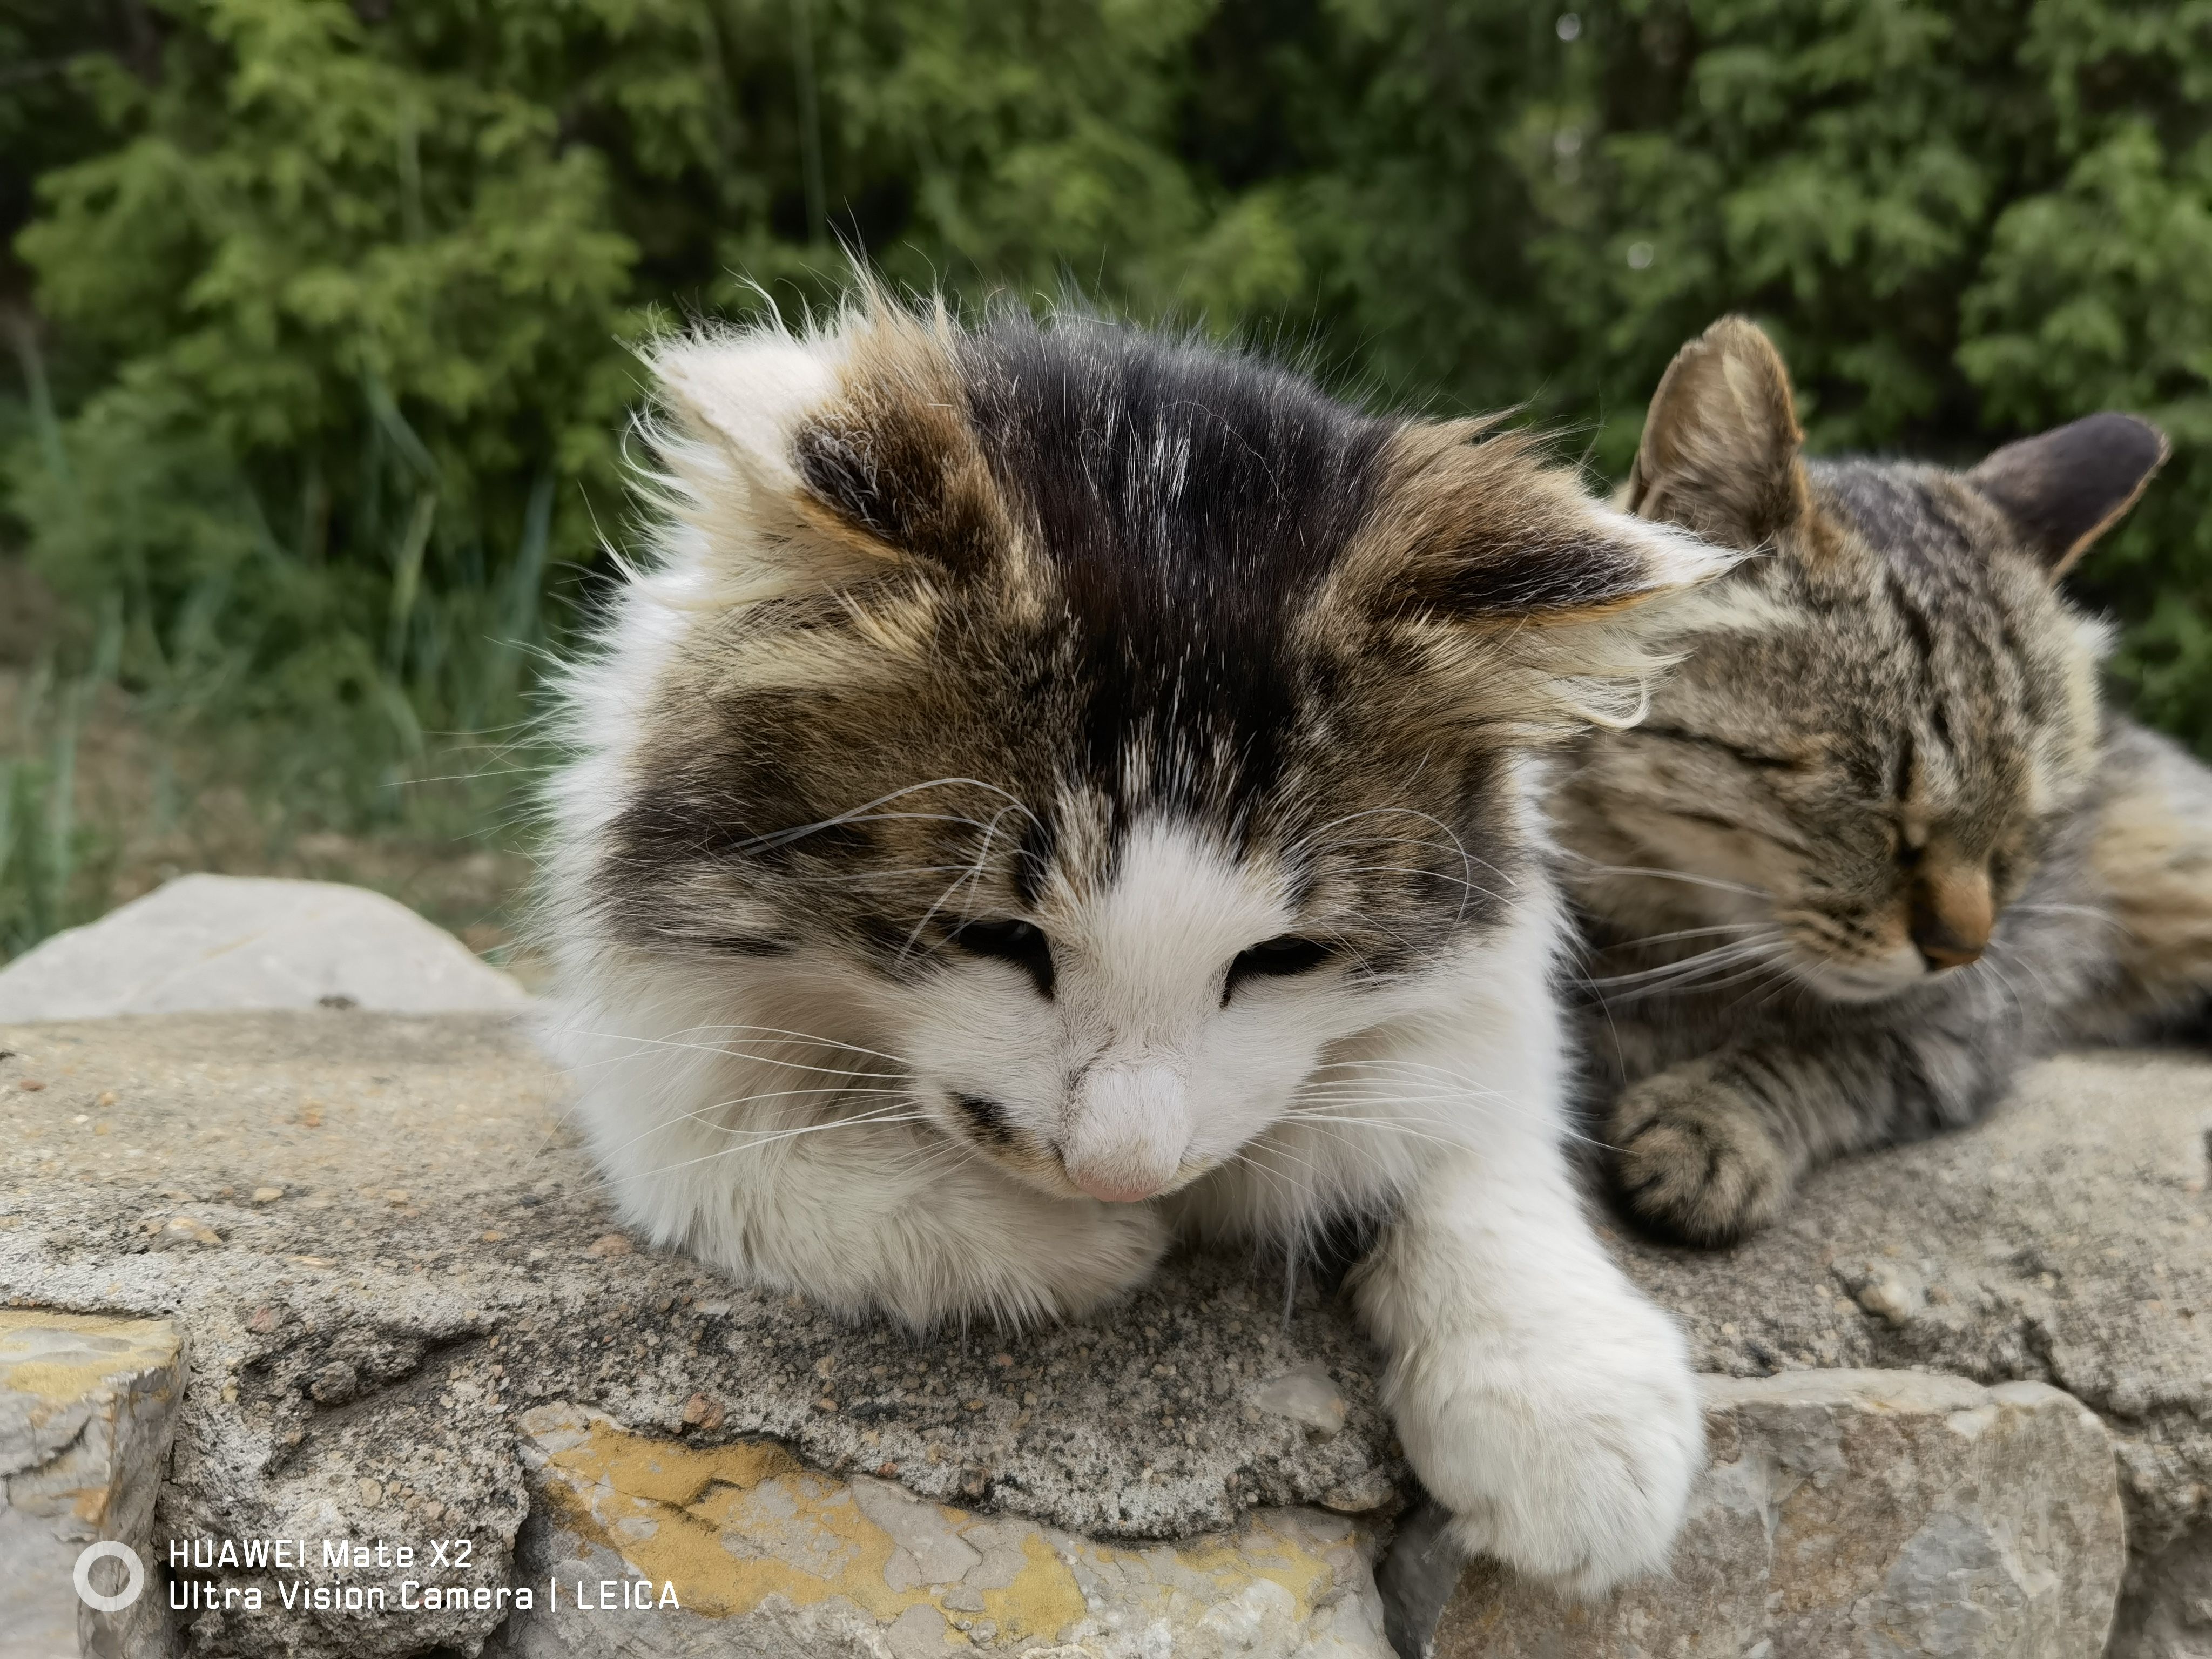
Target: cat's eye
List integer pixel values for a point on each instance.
(1274, 958)
(1022, 943)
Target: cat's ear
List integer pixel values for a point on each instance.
(1470, 524)
(1720, 450)
(817, 461)
(1496, 584)
(2064, 488)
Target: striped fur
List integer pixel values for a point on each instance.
(1875, 850)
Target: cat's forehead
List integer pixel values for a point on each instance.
(1170, 892)
(1919, 516)
(1181, 510)
(1199, 492)
(1916, 660)
(1932, 581)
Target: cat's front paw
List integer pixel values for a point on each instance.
(1573, 1464)
(1694, 1159)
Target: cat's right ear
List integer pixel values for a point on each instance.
(732, 408)
(1720, 454)
(814, 463)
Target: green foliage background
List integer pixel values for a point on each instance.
(322, 309)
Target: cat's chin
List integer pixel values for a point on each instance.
(1834, 982)
(1041, 1176)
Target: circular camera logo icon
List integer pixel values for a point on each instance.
(134, 1580)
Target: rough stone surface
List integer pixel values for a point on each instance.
(760, 1555)
(88, 1405)
(2066, 1240)
(387, 1249)
(202, 942)
(2165, 1606)
(1878, 1514)
(387, 1244)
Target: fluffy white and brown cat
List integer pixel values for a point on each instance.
(1050, 789)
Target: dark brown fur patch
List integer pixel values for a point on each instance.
(1469, 527)
(896, 460)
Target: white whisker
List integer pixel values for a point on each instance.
(785, 838)
(1591, 867)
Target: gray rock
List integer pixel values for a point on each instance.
(1877, 1514)
(746, 1551)
(2166, 1609)
(88, 1405)
(205, 942)
(2067, 1240)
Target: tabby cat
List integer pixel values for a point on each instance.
(1877, 843)
(1050, 790)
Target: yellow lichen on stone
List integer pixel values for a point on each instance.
(731, 1526)
(1042, 1601)
(1262, 1552)
(804, 1539)
(60, 1357)
(667, 1471)
(746, 1529)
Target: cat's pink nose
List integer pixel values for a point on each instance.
(1125, 1136)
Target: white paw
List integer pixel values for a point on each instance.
(1570, 1461)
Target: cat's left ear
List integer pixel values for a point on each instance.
(1495, 586)
(2064, 488)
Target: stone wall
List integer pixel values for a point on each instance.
(412, 1318)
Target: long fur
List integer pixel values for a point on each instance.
(1045, 790)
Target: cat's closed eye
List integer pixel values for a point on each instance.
(1273, 958)
(1010, 939)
